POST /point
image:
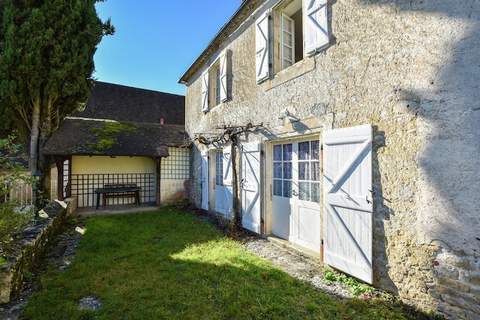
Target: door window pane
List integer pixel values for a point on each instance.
(303, 150)
(277, 153)
(287, 189)
(287, 170)
(315, 150)
(277, 170)
(277, 188)
(315, 175)
(303, 171)
(304, 191)
(287, 152)
(315, 192)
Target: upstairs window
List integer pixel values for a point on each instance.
(289, 36)
(216, 82)
(292, 30)
(214, 85)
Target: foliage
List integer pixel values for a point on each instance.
(46, 57)
(107, 135)
(11, 220)
(355, 286)
(170, 265)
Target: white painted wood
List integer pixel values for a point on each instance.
(305, 219)
(224, 193)
(348, 200)
(225, 70)
(204, 180)
(316, 32)
(205, 85)
(250, 184)
(262, 45)
(287, 41)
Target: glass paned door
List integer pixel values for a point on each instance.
(296, 193)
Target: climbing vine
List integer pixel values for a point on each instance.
(232, 135)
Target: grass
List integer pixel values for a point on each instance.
(170, 265)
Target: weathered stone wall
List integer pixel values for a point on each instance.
(28, 248)
(411, 68)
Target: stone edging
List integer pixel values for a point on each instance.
(28, 249)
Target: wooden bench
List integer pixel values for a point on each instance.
(126, 190)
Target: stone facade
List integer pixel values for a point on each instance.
(412, 70)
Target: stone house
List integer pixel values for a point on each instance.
(369, 150)
(124, 137)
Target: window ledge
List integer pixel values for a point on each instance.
(298, 69)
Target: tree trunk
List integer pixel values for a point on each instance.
(34, 139)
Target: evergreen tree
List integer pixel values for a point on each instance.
(46, 64)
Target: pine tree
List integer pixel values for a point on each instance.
(46, 64)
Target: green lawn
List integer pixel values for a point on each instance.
(170, 265)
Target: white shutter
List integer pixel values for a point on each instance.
(287, 41)
(316, 33)
(225, 70)
(205, 91)
(227, 167)
(348, 200)
(204, 180)
(262, 41)
(250, 187)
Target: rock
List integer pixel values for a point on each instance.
(90, 303)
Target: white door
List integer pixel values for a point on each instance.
(250, 186)
(223, 183)
(348, 200)
(282, 200)
(306, 214)
(204, 180)
(296, 193)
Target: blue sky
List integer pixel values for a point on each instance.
(156, 41)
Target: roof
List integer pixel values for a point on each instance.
(246, 9)
(123, 103)
(93, 137)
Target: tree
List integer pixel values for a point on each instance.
(46, 64)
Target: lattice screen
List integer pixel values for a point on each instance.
(177, 165)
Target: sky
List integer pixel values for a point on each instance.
(157, 40)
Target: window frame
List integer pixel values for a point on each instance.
(219, 168)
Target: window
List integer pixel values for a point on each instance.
(309, 171)
(219, 168)
(288, 34)
(282, 170)
(214, 85)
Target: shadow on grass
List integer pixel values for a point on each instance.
(170, 265)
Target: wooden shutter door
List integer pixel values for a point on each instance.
(250, 187)
(205, 91)
(204, 180)
(262, 44)
(348, 200)
(316, 33)
(227, 182)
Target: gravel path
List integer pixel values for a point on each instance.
(295, 264)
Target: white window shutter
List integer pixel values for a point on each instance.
(205, 91)
(227, 167)
(262, 45)
(225, 70)
(316, 33)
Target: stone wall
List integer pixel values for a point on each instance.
(28, 248)
(411, 68)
